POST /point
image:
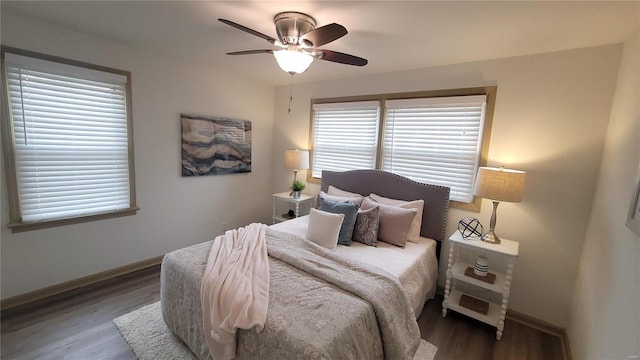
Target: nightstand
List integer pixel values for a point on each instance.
(284, 198)
(475, 307)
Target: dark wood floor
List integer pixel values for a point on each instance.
(459, 337)
(80, 327)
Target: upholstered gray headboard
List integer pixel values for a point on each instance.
(365, 182)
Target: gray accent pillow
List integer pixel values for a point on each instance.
(394, 222)
(367, 224)
(350, 212)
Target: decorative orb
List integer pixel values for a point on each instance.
(470, 227)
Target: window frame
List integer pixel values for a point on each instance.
(489, 91)
(15, 218)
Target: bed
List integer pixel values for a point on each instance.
(310, 317)
(415, 265)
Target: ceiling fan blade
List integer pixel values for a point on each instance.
(249, 52)
(250, 31)
(339, 57)
(323, 35)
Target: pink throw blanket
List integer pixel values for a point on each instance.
(235, 288)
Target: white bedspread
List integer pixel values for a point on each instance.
(415, 265)
(235, 288)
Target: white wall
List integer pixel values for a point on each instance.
(550, 120)
(605, 315)
(175, 211)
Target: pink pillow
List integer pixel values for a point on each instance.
(394, 222)
(414, 231)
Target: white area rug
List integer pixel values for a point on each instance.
(150, 339)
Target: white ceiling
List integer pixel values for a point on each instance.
(392, 35)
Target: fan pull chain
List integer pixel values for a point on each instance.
(290, 94)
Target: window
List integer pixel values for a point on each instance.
(69, 151)
(435, 140)
(335, 146)
(438, 137)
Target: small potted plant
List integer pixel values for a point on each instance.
(297, 188)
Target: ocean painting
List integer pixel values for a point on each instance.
(215, 146)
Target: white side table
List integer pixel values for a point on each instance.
(284, 197)
(456, 272)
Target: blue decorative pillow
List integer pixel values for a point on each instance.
(350, 212)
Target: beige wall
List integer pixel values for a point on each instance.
(605, 313)
(550, 120)
(175, 211)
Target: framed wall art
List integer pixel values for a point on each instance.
(215, 146)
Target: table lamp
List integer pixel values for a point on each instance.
(296, 160)
(498, 184)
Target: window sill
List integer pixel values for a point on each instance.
(473, 206)
(20, 226)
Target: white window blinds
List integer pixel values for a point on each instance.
(70, 137)
(345, 136)
(435, 141)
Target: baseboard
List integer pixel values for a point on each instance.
(544, 327)
(58, 289)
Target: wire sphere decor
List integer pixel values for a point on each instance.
(470, 227)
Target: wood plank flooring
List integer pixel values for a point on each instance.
(459, 337)
(79, 327)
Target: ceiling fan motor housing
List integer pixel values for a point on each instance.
(291, 25)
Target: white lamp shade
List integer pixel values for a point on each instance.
(293, 61)
(296, 159)
(500, 184)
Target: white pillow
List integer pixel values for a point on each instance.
(339, 192)
(414, 230)
(324, 228)
(357, 199)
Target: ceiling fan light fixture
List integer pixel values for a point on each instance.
(293, 61)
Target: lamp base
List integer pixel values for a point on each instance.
(490, 237)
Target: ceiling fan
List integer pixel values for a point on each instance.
(298, 42)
